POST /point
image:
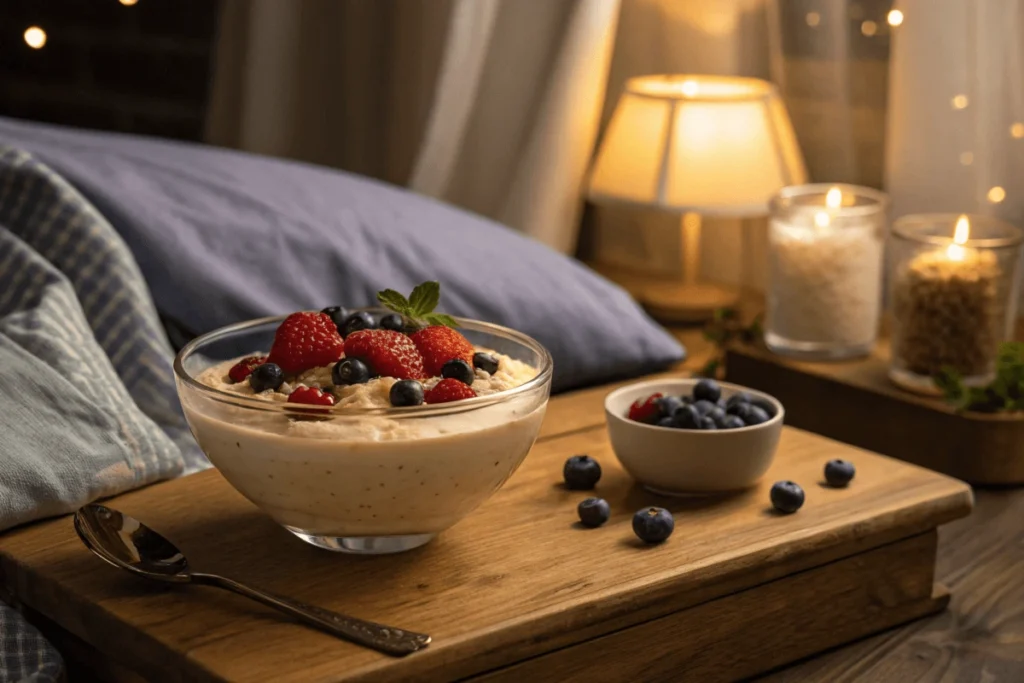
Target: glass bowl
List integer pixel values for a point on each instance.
(370, 480)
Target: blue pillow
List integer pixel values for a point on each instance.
(223, 236)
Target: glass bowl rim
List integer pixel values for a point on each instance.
(543, 376)
(901, 228)
(879, 203)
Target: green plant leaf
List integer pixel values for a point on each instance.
(395, 301)
(710, 368)
(424, 298)
(440, 319)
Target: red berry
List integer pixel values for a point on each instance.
(448, 390)
(306, 340)
(388, 353)
(645, 409)
(310, 396)
(440, 344)
(243, 368)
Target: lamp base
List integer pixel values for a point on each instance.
(677, 302)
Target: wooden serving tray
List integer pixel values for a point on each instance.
(516, 592)
(854, 401)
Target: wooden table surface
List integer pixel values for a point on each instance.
(980, 637)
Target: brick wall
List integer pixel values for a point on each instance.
(142, 69)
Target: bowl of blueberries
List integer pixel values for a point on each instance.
(683, 436)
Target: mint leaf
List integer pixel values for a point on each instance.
(395, 301)
(424, 298)
(440, 319)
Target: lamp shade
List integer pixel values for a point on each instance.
(716, 145)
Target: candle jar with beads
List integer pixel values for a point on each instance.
(826, 265)
(953, 292)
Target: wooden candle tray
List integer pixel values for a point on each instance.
(518, 591)
(854, 402)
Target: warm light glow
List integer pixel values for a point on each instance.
(35, 37)
(821, 220)
(960, 102)
(128, 3)
(895, 17)
(834, 198)
(966, 158)
(1017, 130)
(813, 19)
(690, 88)
(961, 233)
(869, 28)
(996, 194)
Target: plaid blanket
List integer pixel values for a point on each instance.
(88, 407)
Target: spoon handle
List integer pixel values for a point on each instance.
(392, 641)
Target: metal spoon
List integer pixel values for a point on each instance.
(129, 544)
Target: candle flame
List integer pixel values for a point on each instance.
(961, 233)
(834, 198)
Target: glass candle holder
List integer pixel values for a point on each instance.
(953, 281)
(826, 246)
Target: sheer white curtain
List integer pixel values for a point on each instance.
(492, 105)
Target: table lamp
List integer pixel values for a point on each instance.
(696, 145)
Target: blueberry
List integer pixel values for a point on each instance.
(707, 423)
(765, 405)
(736, 400)
(350, 371)
(393, 322)
(707, 390)
(653, 525)
(668, 405)
(787, 496)
(665, 422)
(755, 416)
(337, 315)
(458, 369)
(485, 362)
(355, 322)
(686, 417)
(266, 376)
(704, 407)
(686, 399)
(732, 422)
(581, 472)
(594, 512)
(839, 473)
(716, 414)
(740, 410)
(406, 392)
(722, 403)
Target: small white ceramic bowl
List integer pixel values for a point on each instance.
(682, 461)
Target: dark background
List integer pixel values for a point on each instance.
(140, 69)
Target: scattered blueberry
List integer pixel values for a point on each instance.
(337, 315)
(266, 376)
(839, 473)
(485, 362)
(736, 400)
(668, 405)
(765, 405)
(686, 399)
(406, 392)
(732, 422)
(686, 417)
(594, 512)
(707, 422)
(355, 322)
(393, 322)
(717, 414)
(707, 390)
(704, 407)
(787, 496)
(458, 369)
(350, 371)
(755, 416)
(581, 472)
(653, 525)
(665, 422)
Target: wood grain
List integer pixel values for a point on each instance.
(854, 402)
(513, 581)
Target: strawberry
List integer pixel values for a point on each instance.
(310, 396)
(388, 353)
(645, 409)
(306, 340)
(243, 368)
(448, 390)
(438, 345)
